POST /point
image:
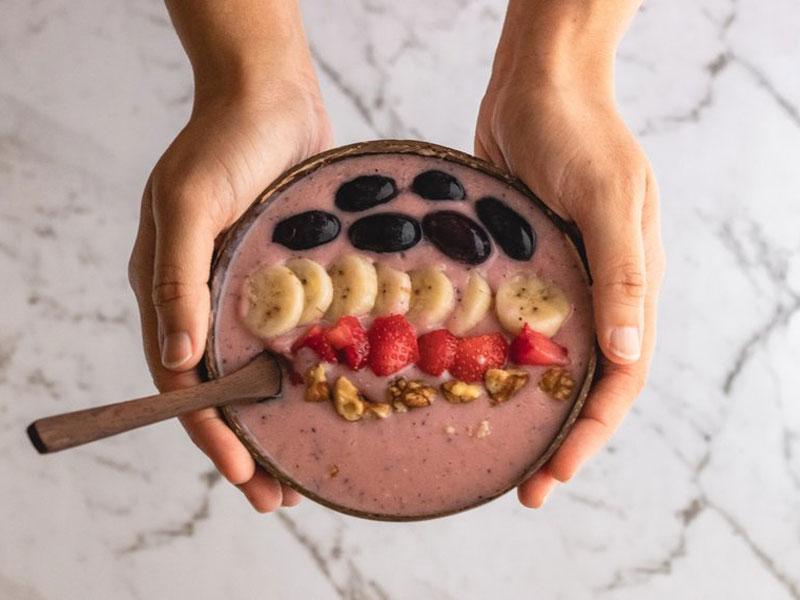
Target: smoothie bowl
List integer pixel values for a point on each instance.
(434, 322)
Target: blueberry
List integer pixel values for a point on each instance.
(457, 236)
(385, 232)
(365, 192)
(438, 185)
(508, 228)
(306, 230)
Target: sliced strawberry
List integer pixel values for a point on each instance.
(392, 345)
(437, 349)
(476, 354)
(349, 339)
(533, 348)
(315, 339)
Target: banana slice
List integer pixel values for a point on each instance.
(528, 299)
(432, 296)
(272, 301)
(473, 306)
(355, 286)
(317, 288)
(394, 292)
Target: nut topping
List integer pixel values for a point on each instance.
(484, 429)
(413, 394)
(502, 384)
(349, 403)
(317, 388)
(458, 392)
(557, 383)
(378, 409)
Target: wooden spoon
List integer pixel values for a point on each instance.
(258, 380)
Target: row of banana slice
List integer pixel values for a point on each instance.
(277, 298)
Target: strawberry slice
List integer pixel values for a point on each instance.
(533, 348)
(349, 339)
(392, 345)
(437, 349)
(476, 354)
(315, 338)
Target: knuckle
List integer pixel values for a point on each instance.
(170, 285)
(628, 281)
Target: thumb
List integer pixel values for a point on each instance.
(184, 247)
(613, 237)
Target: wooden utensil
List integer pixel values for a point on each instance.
(258, 380)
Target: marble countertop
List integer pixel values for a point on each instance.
(698, 496)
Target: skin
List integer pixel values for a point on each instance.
(258, 111)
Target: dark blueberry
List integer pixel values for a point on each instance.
(385, 232)
(508, 228)
(306, 230)
(457, 236)
(438, 185)
(365, 192)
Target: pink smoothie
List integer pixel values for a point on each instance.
(428, 461)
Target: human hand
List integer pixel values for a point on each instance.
(553, 123)
(240, 137)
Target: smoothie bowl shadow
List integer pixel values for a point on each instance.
(428, 462)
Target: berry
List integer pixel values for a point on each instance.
(307, 230)
(437, 349)
(349, 339)
(392, 345)
(533, 348)
(316, 339)
(476, 354)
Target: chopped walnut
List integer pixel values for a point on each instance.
(458, 392)
(378, 409)
(399, 407)
(450, 431)
(413, 394)
(484, 429)
(349, 403)
(557, 383)
(333, 471)
(502, 384)
(317, 388)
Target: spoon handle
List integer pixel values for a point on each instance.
(260, 379)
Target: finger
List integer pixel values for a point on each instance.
(534, 491)
(263, 491)
(217, 441)
(612, 231)
(291, 497)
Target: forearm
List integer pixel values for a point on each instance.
(241, 45)
(559, 41)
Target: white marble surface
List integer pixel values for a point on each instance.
(698, 496)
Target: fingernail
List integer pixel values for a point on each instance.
(624, 342)
(176, 349)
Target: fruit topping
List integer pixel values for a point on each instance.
(317, 288)
(349, 339)
(317, 388)
(365, 192)
(508, 228)
(392, 343)
(385, 232)
(394, 292)
(432, 296)
(502, 384)
(355, 286)
(316, 339)
(528, 300)
(476, 354)
(557, 383)
(472, 306)
(457, 236)
(306, 230)
(272, 301)
(411, 394)
(533, 348)
(438, 185)
(459, 392)
(437, 349)
(349, 403)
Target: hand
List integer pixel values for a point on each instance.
(231, 149)
(559, 131)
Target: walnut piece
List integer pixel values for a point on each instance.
(484, 429)
(458, 392)
(317, 388)
(349, 403)
(378, 409)
(413, 394)
(502, 384)
(557, 383)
